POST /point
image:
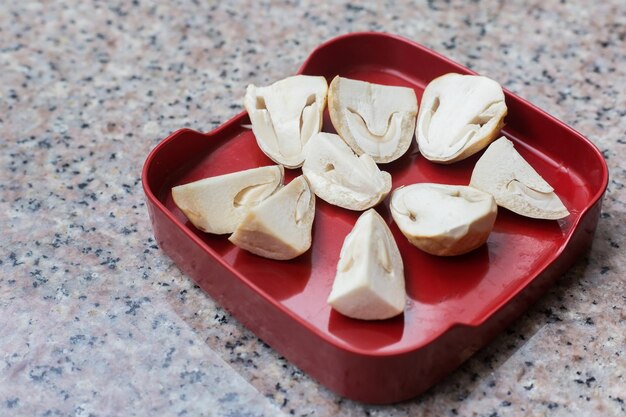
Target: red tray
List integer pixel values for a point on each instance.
(455, 305)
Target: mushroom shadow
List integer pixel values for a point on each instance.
(279, 279)
(366, 334)
(434, 279)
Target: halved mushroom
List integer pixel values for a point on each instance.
(369, 283)
(217, 204)
(444, 220)
(285, 115)
(340, 177)
(459, 115)
(375, 119)
(514, 183)
(280, 226)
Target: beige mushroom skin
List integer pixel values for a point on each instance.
(459, 116)
(217, 204)
(514, 183)
(443, 220)
(285, 115)
(369, 284)
(375, 119)
(340, 177)
(280, 226)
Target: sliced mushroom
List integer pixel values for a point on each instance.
(339, 177)
(280, 226)
(285, 115)
(375, 119)
(217, 204)
(369, 283)
(514, 183)
(459, 115)
(443, 220)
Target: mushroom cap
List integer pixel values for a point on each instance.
(375, 119)
(514, 183)
(444, 220)
(340, 177)
(369, 283)
(280, 226)
(217, 204)
(285, 115)
(459, 115)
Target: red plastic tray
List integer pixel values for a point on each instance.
(456, 305)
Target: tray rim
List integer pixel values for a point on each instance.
(388, 352)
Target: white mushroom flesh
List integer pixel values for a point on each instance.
(370, 141)
(375, 119)
(443, 219)
(369, 283)
(459, 115)
(217, 204)
(514, 183)
(285, 115)
(340, 177)
(436, 209)
(280, 226)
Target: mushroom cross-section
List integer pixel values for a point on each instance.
(280, 226)
(459, 115)
(217, 204)
(285, 115)
(444, 220)
(514, 183)
(369, 283)
(375, 119)
(340, 177)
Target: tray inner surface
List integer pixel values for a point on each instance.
(441, 291)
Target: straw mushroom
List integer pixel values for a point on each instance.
(369, 283)
(514, 183)
(280, 226)
(459, 115)
(375, 119)
(340, 177)
(285, 115)
(217, 204)
(444, 220)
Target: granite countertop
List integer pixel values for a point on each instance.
(96, 321)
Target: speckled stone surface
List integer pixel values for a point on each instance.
(95, 320)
